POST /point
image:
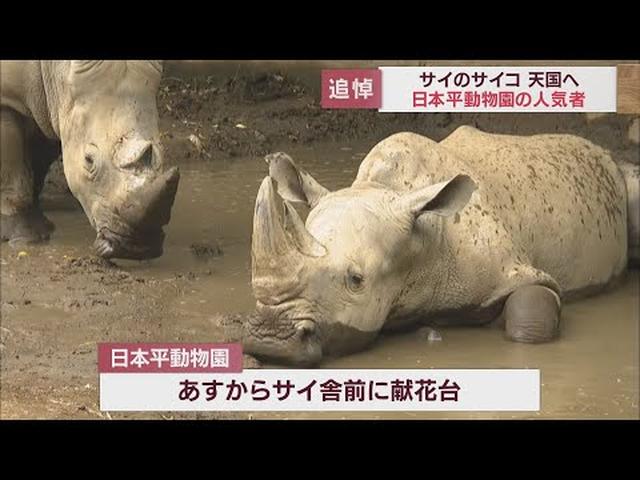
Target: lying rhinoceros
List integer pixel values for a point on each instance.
(474, 228)
(104, 115)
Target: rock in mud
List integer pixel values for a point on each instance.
(250, 362)
(196, 142)
(206, 250)
(429, 334)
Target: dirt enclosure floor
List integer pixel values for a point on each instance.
(58, 301)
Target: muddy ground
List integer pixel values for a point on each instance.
(58, 300)
(245, 116)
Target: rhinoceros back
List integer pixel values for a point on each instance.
(554, 202)
(28, 89)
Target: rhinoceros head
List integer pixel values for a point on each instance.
(327, 287)
(113, 162)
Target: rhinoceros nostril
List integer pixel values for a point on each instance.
(146, 159)
(305, 328)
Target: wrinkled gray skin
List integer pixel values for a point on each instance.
(103, 115)
(476, 228)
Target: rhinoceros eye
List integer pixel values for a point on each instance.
(355, 281)
(90, 164)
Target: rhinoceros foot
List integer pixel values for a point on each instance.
(26, 227)
(532, 314)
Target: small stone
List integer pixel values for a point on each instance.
(429, 334)
(250, 362)
(434, 336)
(196, 142)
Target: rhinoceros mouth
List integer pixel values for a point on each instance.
(137, 246)
(274, 335)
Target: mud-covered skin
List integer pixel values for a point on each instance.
(102, 115)
(433, 231)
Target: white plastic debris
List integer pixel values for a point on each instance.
(241, 126)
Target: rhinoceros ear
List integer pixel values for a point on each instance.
(444, 198)
(294, 184)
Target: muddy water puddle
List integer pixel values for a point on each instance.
(591, 371)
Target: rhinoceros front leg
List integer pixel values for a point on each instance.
(21, 218)
(532, 314)
(531, 305)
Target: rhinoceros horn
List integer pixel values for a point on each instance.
(151, 204)
(279, 248)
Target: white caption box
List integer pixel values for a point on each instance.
(597, 83)
(479, 390)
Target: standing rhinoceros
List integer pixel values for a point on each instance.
(474, 228)
(104, 115)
